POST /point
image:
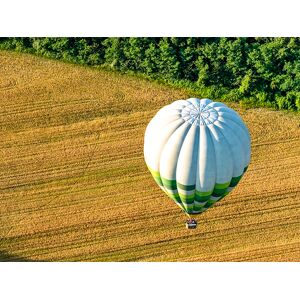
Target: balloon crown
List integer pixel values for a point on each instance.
(199, 112)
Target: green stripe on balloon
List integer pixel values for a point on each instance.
(235, 180)
(197, 212)
(188, 205)
(223, 196)
(199, 201)
(169, 184)
(188, 199)
(153, 172)
(173, 184)
(201, 198)
(174, 196)
(203, 194)
(219, 192)
(156, 176)
(220, 186)
(186, 187)
(209, 203)
(189, 208)
(198, 205)
(158, 181)
(220, 189)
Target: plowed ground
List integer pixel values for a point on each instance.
(74, 185)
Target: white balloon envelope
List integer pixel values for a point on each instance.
(197, 151)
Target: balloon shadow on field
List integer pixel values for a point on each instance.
(7, 257)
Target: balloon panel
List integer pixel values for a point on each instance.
(197, 151)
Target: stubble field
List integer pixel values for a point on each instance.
(74, 185)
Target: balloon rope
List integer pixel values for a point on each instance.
(187, 214)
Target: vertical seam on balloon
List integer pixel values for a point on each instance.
(184, 136)
(173, 121)
(213, 144)
(178, 155)
(158, 168)
(241, 124)
(191, 102)
(198, 154)
(218, 129)
(186, 133)
(197, 169)
(237, 124)
(210, 105)
(238, 139)
(243, 127)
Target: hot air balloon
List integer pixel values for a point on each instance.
(197, 151)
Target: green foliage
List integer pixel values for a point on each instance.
(253, 71)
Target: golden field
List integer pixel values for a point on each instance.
(74, 185)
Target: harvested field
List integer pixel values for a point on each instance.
(74, 185)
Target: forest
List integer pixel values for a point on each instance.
(256, 72)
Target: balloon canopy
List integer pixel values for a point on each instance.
(197, 151)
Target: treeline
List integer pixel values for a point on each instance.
(256, 71)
